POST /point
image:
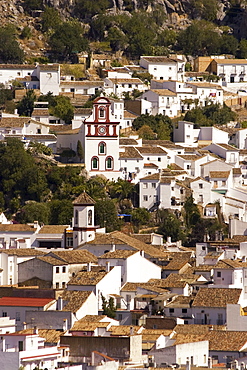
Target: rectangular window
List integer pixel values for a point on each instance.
(218, 273)
(4, 314)
(145, 185)
(171, 310)
(57, 285)
(145, 198)
(18, 316)
(200, 186)
(57, 270)
(184, 310)
(159, 159)
(64, 269)
(154, 185)
(63, 285)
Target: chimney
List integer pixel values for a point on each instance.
(65, 324)
(60, 303)
(108, 266)
(35, 330)
(3, 343)
(113, 248)
(169, 240)
(142, 253)
(35, 224)
(24, 325)
(89, 266)
(210, 362)
(188, 366)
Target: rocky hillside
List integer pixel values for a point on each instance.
(177, 15)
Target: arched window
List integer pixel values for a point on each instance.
(95, 163)
(102, 112)
(76, 217)
(90, 217)
(102, 148)
(109, 163)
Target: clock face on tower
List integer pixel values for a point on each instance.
(102, 130)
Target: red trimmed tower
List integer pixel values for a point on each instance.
(102, 141)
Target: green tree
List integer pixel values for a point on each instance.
(146, 133)
(62, 108)
(242, 52)
(200, 38)
(50, 19)
(123, 188)
(108, 307)
(88, 8)
(140, 216)
(34, 211)
(61, 212)
(26, 105)
(80, 151)
(106, 214)
(170, 225)
(160, 124)
(68, 38)
(192, 214)
(10, 51)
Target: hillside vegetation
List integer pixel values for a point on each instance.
(57, 30)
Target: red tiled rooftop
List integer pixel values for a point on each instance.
(24, 302)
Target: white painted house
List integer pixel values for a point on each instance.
(163, 68)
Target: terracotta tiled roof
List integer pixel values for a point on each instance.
(53, 229)
(205, 85)
(92, 318)
(124, 329)
(75, 299)
(230, 61)
(164, 92)
(196, 329)
(128, 114)
(82, 83)
(130, 152)
(137, 244)
(83, 199)
(216, 297)
(22, 252)
(24, 302)
(151, 150)
(154, 176)
(180, 301)
(164, 143)
(219, 174)
(51, 336)
(17, 66)
(228, 147)
(190, 157)
(175, 167)
(17, 228)
(231, 341)
(150, 165)
(161, 59)
(230, 264)
(125, 80)
(87, 278)
(172, 281)
(127, 141)
(74, 256)
(52, 261)
(119, 253)
(88, 326)
(40, 112)
(105, 239)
